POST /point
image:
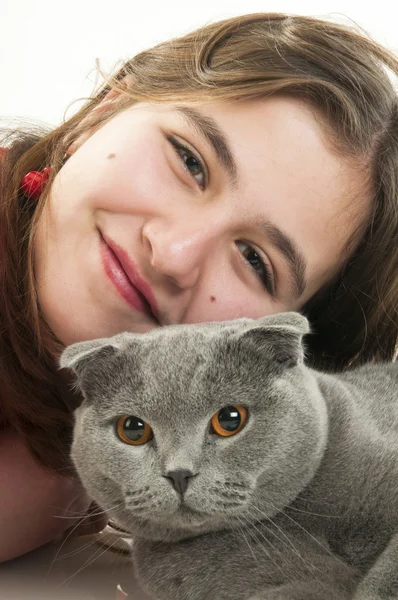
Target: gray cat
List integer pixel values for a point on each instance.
(241, 473)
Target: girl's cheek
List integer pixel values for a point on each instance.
(142, 183)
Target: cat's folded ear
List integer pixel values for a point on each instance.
(83, 356)
(279, 335)
(292, 321)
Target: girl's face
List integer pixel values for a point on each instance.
(180, 214)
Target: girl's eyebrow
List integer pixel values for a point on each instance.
(290, 253)
(210, 130)
(280, 240)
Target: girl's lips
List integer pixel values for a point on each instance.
(114, 270)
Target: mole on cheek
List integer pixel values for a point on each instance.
(212, 298)
(111, 155)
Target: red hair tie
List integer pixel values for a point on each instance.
(33, 183)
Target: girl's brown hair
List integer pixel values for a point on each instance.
(340, 72)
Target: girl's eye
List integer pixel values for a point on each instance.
(191, 162)
(258, 265)
(133, 431)
(228, 421)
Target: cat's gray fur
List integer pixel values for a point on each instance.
(301, 504)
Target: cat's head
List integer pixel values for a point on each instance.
(192, 428)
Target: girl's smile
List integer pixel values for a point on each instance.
(122, 272)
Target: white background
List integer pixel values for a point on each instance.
(48, 48)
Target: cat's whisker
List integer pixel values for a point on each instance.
(241, 530)
(80, 549)
(98, 538)
(314, 539)
(252, 530)
(109, 546)
(82, 513)
(272, 533)
(306, 512)
(316, 502)
(327, 550)
(290, 543)
(100, 552)
(79, 522)
(79, 514)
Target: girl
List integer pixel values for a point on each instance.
(249, 167)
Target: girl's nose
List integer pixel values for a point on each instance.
(180, 251)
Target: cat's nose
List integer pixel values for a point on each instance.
(179, 479)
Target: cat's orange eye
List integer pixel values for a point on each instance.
(229, 420)
(133, 430)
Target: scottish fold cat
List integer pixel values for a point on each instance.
(241, 473)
